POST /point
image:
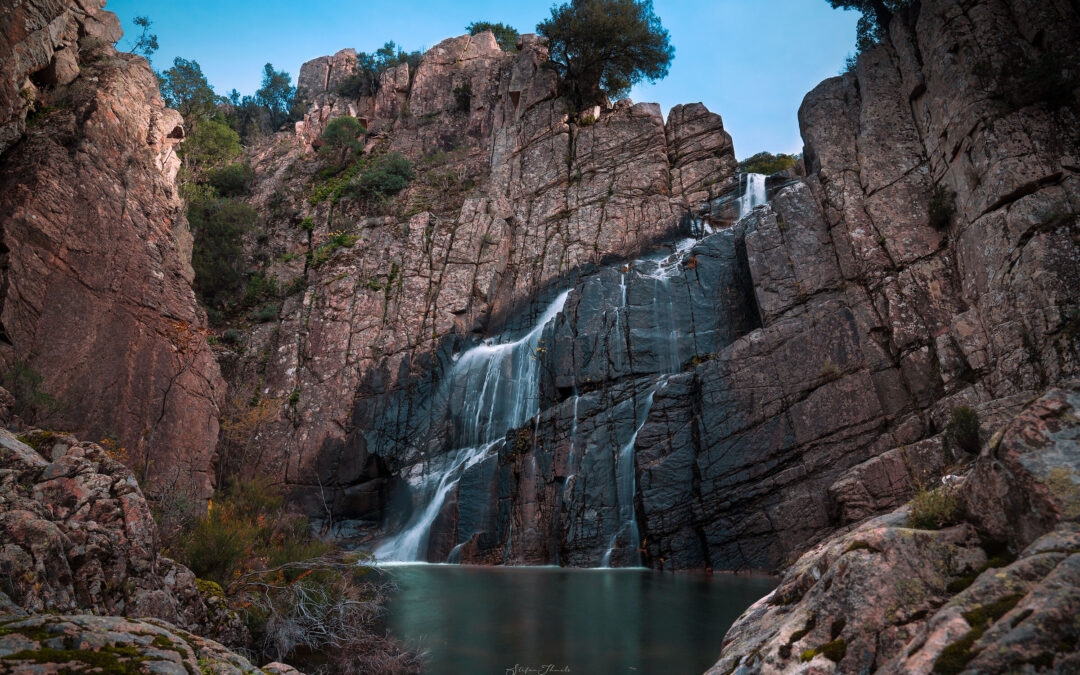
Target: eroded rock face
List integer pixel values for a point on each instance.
(973, 597)
(78, 536)
(95, 250)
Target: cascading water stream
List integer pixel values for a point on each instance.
(753, 193)
(507, 377)
(626, 485)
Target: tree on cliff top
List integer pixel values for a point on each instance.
(506, 36)
(875, 19)
(185, 89)
(276, 94)
(601, 48)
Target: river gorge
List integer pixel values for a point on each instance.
(441, 359)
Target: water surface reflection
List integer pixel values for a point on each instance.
(487, 620)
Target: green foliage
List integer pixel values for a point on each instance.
(384, 176)
(210, 144)
(337, 240)
(369, 67)
(108, 659)
(875, 19)
(463, 98)
(147, 43)
(934, 509)
(24, 383)
(259, 287)
(294, 397)
(835, 651)
(370, 178)
(767, 163)
(942, 206)
(601, 48)
(276, 95)
(240, 525)
(185, 88)
(506, 36)
(232, 180)
(340, 139)
(218, 226)
(266, 313)
(962, 430)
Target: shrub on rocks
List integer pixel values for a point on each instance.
(962, 431)
(934, 509)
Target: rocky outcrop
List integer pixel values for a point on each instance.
(59, 643)
(78, 536)
(995, 593)
(95, 294)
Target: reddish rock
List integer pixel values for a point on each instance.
(96, 276)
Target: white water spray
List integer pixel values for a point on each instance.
(507, 377)
(753, 193)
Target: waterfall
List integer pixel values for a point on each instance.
(494, 388)
(753, 193)
(626, 487)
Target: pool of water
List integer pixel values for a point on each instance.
(552, 620)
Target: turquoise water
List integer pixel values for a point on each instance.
(533, 621)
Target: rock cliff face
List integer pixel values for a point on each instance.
(724, 402)
(95, 293)
(515, 198)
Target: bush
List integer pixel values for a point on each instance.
(303, 600)
(767, 163)
(266, 313)
(340, 139)
(934, 509)
(962, 430)
(259, 287)
(218, 227)
(233, 180)
(506, 36)
(385, 176)
(32, 404)
(210, 144)
(942, 207)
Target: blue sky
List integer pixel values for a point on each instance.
(751, 61)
